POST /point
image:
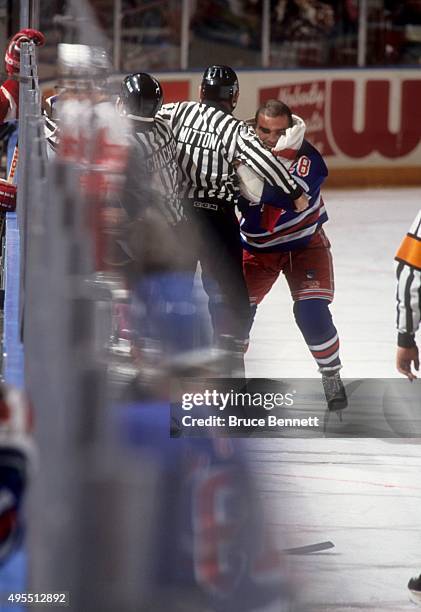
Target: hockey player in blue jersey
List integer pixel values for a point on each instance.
(278, 239)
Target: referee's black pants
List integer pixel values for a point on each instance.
(219, 251)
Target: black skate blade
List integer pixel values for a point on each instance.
(337, 405)
(337, 409)
(326, 418)
(310, 548)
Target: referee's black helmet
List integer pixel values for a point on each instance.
(220, 84)
(140, 96)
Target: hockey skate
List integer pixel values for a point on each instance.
(334, 391)
(414, 586)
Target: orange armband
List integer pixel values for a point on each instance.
(410, 251)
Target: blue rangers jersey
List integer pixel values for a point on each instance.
(291, 230)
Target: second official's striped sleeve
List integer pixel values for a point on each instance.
(408, 271)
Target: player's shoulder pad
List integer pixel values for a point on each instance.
(310, 161)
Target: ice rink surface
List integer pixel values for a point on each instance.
(362, 494)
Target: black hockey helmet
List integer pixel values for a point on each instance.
(220, 84)
(141, 96)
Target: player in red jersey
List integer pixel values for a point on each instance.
(9, 100)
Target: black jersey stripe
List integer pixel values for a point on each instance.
(210, 162)
(409, 320)
(199, 166)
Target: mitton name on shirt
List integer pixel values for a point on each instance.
(198, 138)
(162, 158)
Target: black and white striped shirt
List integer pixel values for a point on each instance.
(209, 141)
(408, 295)
(51, 127)
(153, 169)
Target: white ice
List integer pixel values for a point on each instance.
(362, 494)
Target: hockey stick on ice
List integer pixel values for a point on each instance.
(310, 548)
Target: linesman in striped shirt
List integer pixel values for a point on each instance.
(153, 168)
(164, 311)
(209, 143)
(408, 300)
(408, 306)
